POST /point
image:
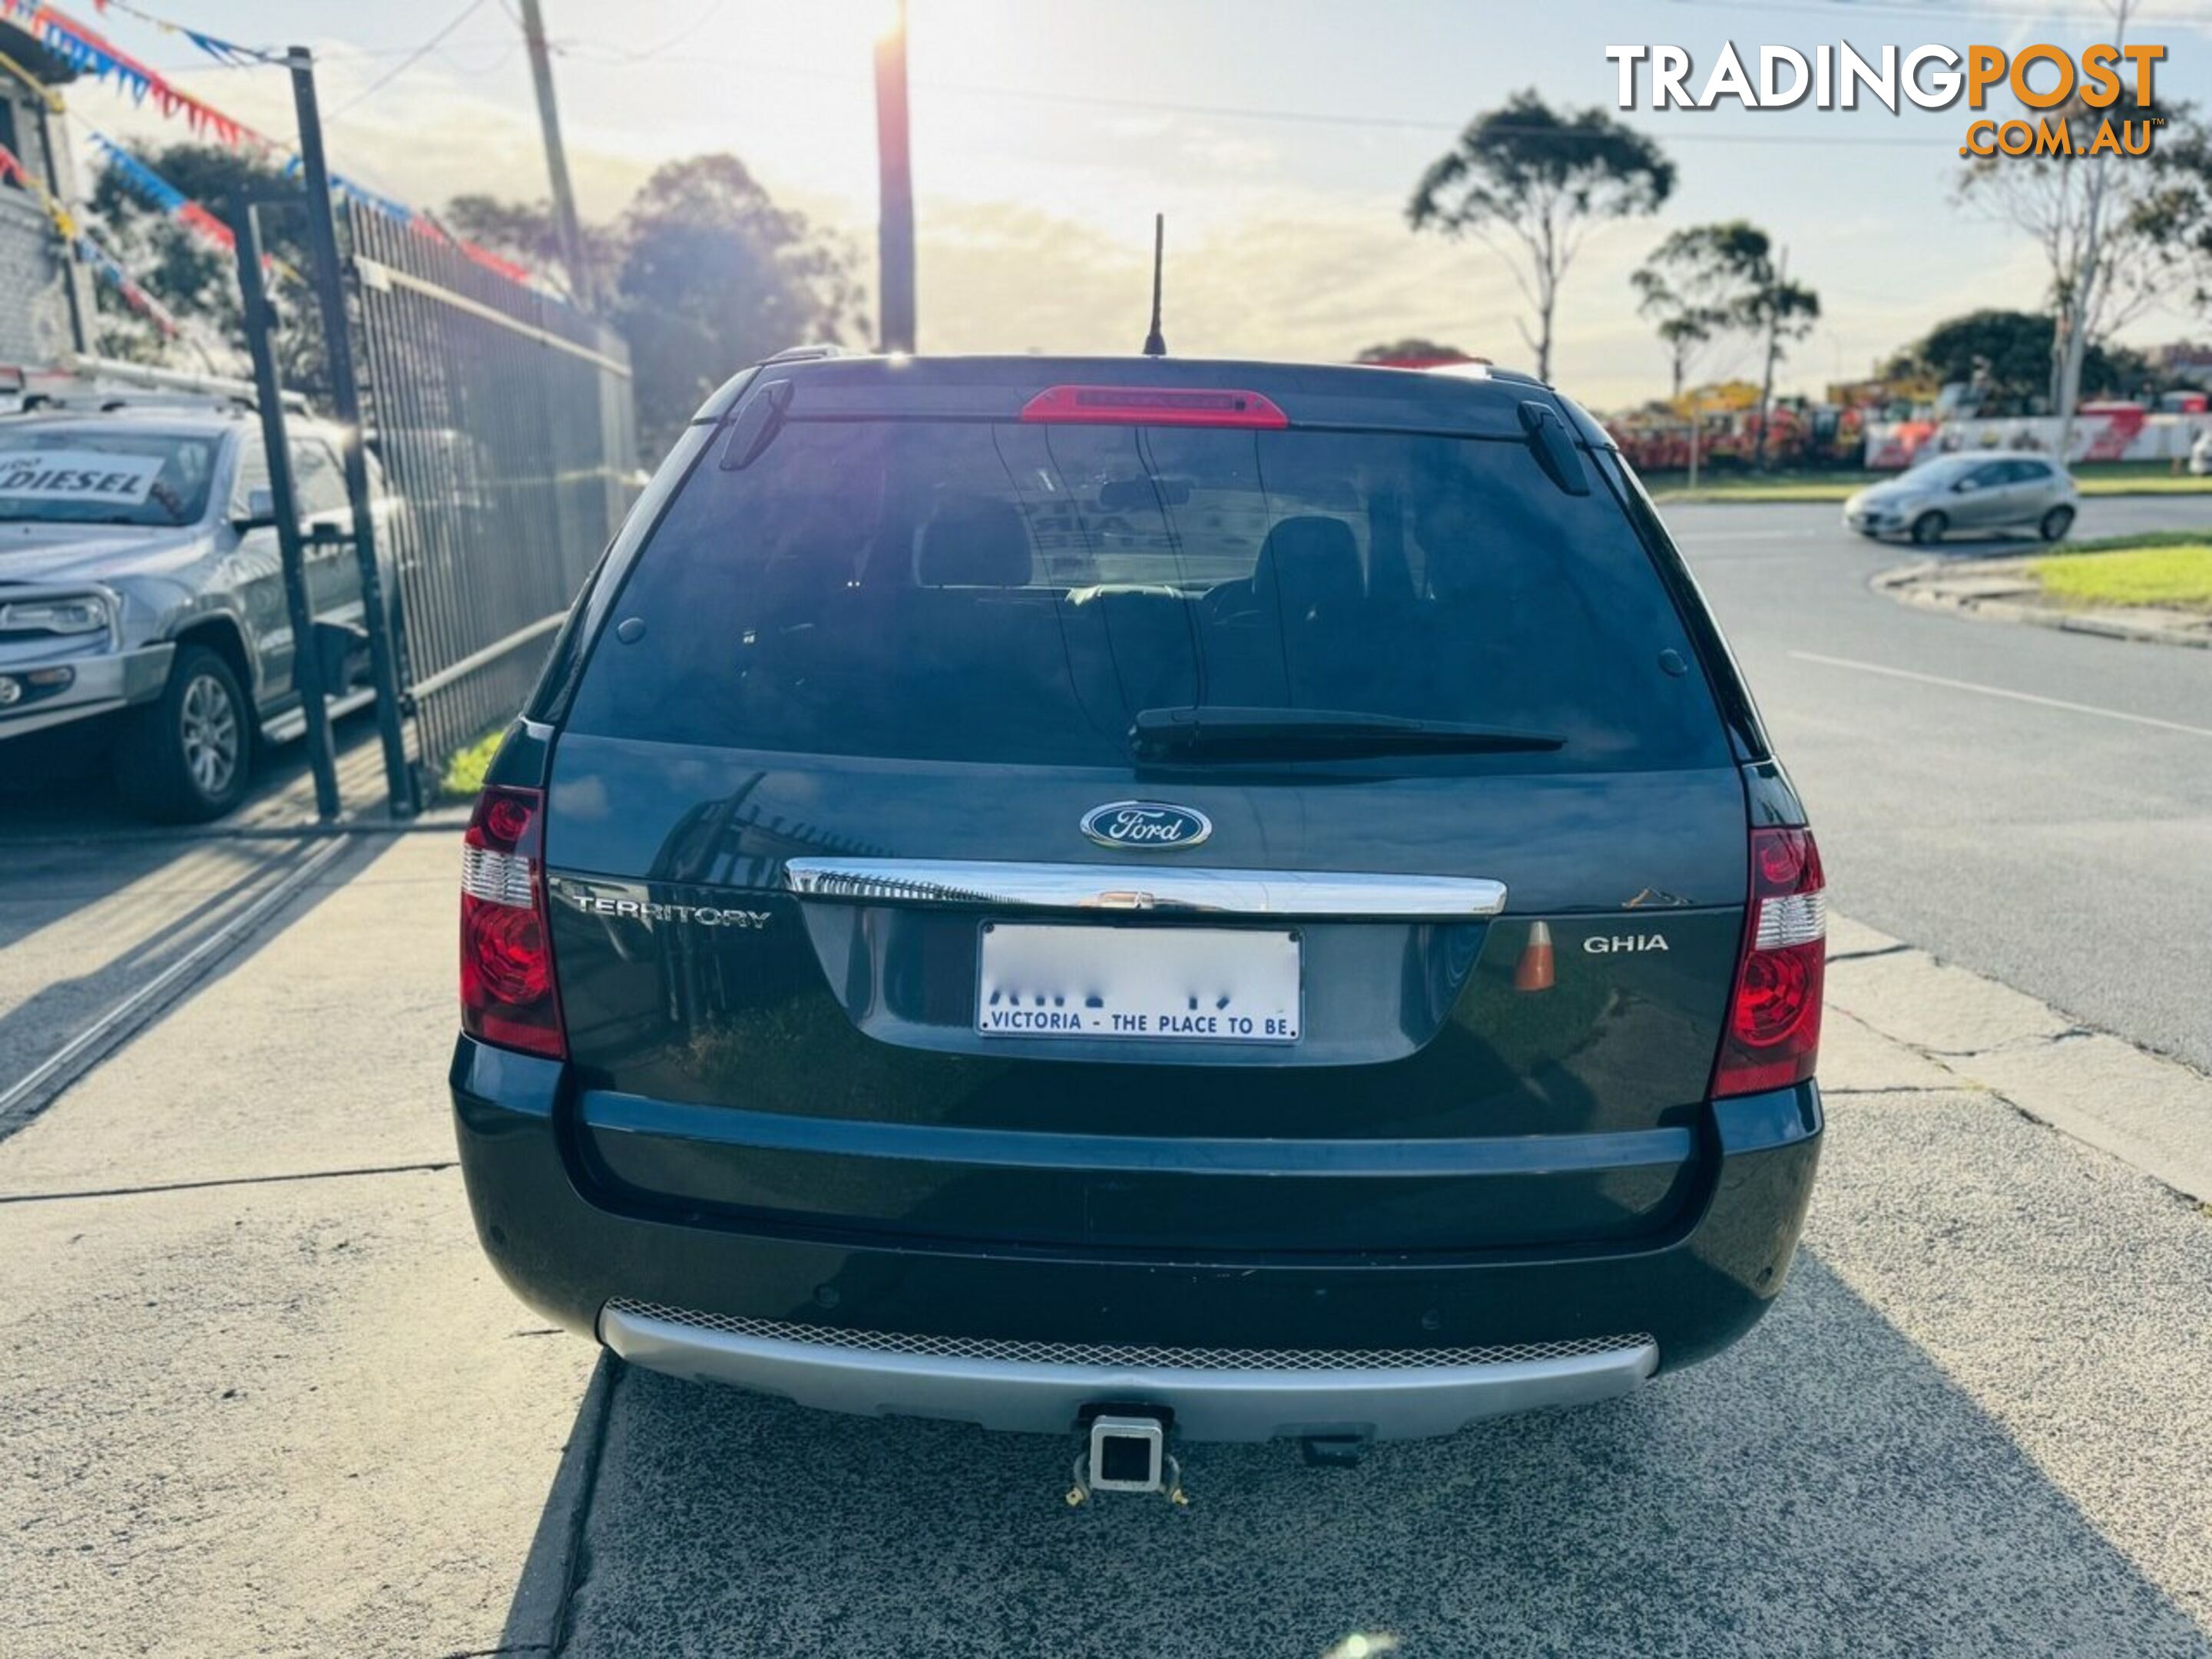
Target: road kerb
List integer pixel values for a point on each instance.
(1988, 590)
(1984, 1037)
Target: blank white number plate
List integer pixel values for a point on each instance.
(1173, 984)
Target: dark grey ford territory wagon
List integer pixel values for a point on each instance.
(1136, 897)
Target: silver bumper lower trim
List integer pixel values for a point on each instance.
(1215, 1394)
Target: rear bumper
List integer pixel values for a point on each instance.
(1038, 1388)
(1398, 1344)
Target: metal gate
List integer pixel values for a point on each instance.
(504, 424)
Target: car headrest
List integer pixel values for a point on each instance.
(1313, 564)
(976, 543)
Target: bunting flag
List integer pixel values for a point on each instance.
(228, 52)
(13, 172)
(93, 252)
(423, 225)
(91, 53)
(341, 186)
(506, 268)
(79, 238)
(154, 191)
(153, 188)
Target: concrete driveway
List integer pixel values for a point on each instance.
(263, 1396)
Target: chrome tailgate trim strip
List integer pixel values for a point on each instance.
(1179, 889)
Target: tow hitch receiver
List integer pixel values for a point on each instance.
(1127, 1452)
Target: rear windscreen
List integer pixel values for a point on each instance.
(1003, 592)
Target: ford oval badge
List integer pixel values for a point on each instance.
(1145, 826)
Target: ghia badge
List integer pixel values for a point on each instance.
(1145, 826)
(1601, 944)
(706, 915)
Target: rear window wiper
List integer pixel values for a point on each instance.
(1288, 733)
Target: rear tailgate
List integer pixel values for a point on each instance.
(818, 1059)
(889, 643)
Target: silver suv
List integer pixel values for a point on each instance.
(1974, 491)
(142, 595)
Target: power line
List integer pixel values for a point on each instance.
(1230, 112)
(408, 62)
(666, 46)
(335, 52)
(598, 53)
(1320, 117)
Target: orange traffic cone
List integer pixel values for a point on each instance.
(1533, 971)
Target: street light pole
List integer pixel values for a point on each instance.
(895, 232)
(571, 230)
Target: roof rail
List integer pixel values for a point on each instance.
(804, 354)
(82, 378)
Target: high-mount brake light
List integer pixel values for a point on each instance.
(1137, 405)
(1773, 1036)
(508, 994)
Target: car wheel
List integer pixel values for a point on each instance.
(2056, 523)
(182, 757)
(1928, 529)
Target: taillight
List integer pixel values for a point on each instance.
(1773, 1037)
(507, 994)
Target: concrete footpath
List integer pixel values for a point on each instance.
(262, 1396)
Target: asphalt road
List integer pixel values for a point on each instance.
(2067, 851)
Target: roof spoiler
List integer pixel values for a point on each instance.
(804, 354)
(1553, 446)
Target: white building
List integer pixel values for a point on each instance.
(45, 297)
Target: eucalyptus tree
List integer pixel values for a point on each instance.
(1733, 274)
(1532, 182)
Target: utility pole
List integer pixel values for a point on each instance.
(895, 231)
(581, 281)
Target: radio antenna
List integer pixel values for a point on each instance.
(1154, 345)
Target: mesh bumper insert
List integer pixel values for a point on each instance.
(1121, 1356)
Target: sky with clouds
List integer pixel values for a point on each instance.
(1281, 138)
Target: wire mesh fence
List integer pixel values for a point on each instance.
(504, 424)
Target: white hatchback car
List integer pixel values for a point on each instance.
(1975, 491)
